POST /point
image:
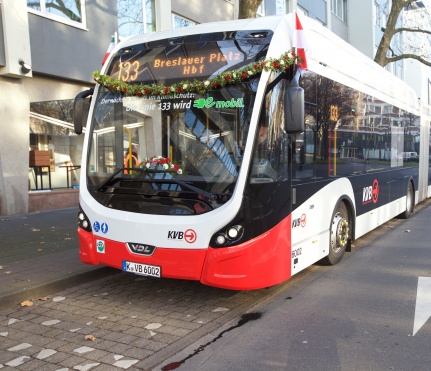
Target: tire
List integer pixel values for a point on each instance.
(410, 202)
(339, 234)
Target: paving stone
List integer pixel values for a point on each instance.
(138, 353)
(154, 345)
(18, 361)
(6, 343)
(6, 357)
(16, 335)
(96, 355)
(113, 336)
(107, 325)
(45, 353)
(73, 361)
(171, 330)
(127, 339)
(120, 348)
(165, 338)
(36, 364)
(33, 328)
(37, 340)
(6, 312)
(182, 324)
(68, 347)
(54, 333)
(125, 363)
(56, 344)
(28, 317)
(71, 337)
(83, 349)
(19, 347)
(58, 357)
(86, 366)
(104, 367)
(105, 345)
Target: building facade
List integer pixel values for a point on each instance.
(48, 51)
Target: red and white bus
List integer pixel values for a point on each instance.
(246, 168)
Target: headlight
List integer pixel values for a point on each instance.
(83, 221)
(229, 236)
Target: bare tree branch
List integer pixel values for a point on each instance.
(406, 56)
(418, 30)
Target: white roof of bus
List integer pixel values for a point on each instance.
(327, 55)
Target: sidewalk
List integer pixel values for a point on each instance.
(39, 255)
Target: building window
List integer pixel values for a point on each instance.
(179, 22)
(261, 9)
(429, 99)
(339, 8)
(280, 7)
(400, 72)
(384, 19)
(377, 19)
(71, 12)
(302, 11)
(134, 18)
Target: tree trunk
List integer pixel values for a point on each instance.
(389, 31)
(248, 8)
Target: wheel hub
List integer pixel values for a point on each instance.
(339, 232)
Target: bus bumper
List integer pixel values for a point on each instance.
(174, 263)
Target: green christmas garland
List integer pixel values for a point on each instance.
(223, 79)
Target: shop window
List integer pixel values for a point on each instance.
(51, 129)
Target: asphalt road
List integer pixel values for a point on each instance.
(364, 314)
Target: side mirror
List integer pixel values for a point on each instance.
(294, 112)
(81, 107)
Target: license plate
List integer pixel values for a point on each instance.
(142, 269)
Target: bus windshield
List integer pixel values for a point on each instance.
(171, 151)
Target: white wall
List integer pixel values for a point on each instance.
(361, 26)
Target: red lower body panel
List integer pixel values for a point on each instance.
(258, 263)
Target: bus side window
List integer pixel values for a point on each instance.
(271, 154)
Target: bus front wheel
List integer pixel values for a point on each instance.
(410, 202)
(339, 237)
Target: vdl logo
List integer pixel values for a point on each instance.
(371, 193)
(138, 248)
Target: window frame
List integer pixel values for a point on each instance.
(260, 12)
(43, 13)
(339, 9)
(176, 15)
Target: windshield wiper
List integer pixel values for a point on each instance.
(102, 186)
(210, 196)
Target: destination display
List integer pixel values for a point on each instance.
(188, 62)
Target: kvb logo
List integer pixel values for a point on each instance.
(189, 235)
(371, 193)
(302, 221)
